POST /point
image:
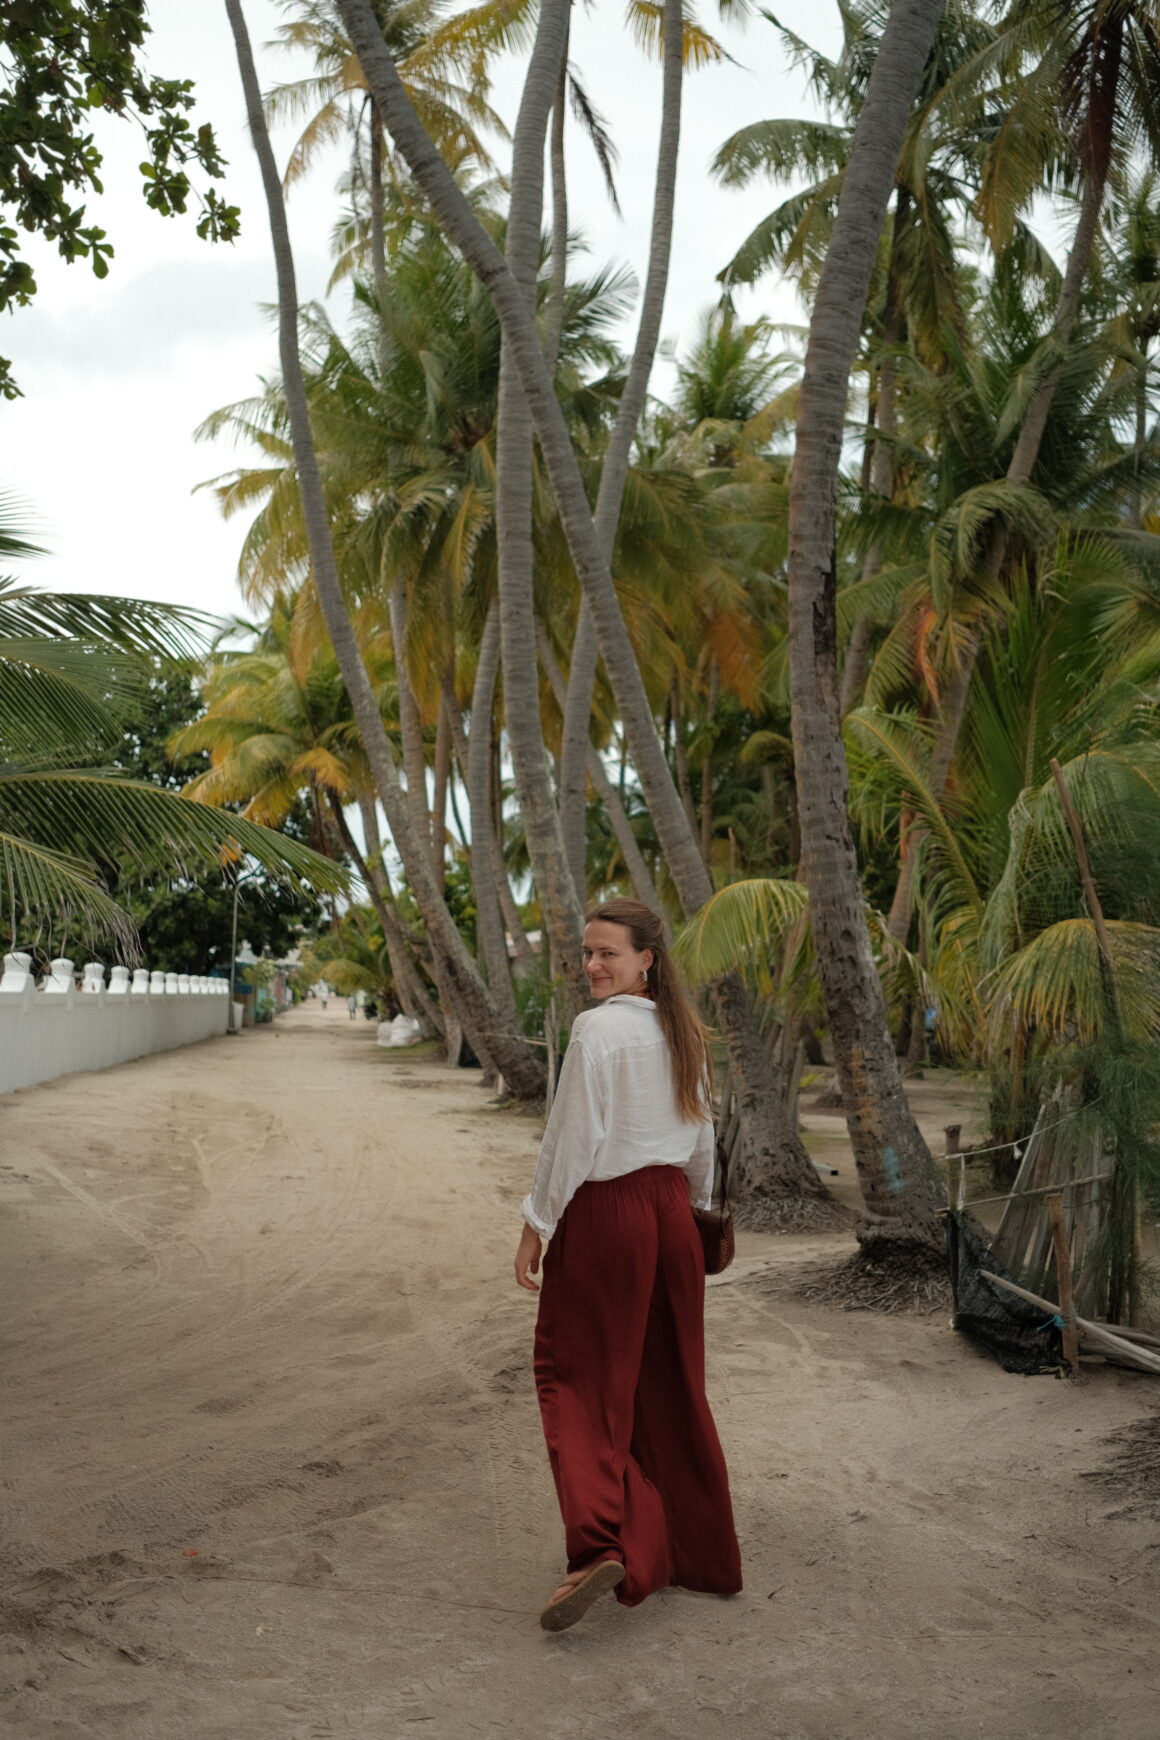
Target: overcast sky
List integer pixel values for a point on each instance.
(117, 374)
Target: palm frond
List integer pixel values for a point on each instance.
(896, 741)
(133, 625)
(738, 927)
(55, 891)
(95, 816)
(1055, 985)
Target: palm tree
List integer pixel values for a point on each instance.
(436, 52)
(680, 45)
(553, 858)
(770, 1143)
(277, 723)
(1075, 84)
(454, 966)
(404, 411)
(916, 291)
(69, 665)
(892, 1159)
(1133, 286)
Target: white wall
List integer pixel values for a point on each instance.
(58, 1029)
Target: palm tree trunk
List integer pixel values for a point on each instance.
(677, 839)
(881, 455)
(642, 883)
(767, 1129)
(517, 1060)
(577, 736)
(857, 660)
(439, 796)
(410, 720)
(707, 772)
(482, 705)
(414, 999)
(487, 869)
(559, 901)
(614, 470)
(894, 1166)
(558, 289)
(681, 753)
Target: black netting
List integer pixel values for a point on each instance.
(1021, 1336)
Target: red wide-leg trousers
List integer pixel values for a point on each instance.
(620, 1375)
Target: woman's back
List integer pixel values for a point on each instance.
(616, 1112)
(624, 1044)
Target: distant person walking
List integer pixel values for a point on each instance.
(620, 1338)
(351, 1007)
(324, 993)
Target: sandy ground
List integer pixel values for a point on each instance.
(274, 1467)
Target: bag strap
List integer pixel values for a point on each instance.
(723, 1163)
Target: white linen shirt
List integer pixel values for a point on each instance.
(615, 1112)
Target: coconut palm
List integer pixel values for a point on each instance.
(1132, 286)
(553, 862)
(455, 969)
(958, 427)
(892, 1159)
(69, 665)
(477, 248)
(1070, 92)
(404, 408)
(277, 724)
(443, 59)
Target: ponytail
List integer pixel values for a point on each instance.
(687, 1036)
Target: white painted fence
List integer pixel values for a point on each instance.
(59, 1028)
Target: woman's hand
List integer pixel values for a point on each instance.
(528, 1259)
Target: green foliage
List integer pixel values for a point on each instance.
(71, 668)
(62, 63)
(737, 929)
(185, 924)
(352, 956)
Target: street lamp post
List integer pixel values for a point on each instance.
(247, 876)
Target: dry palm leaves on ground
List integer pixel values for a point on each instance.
(854, 1284)
(791, 1214)
(1133, 1473)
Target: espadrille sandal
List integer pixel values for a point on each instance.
(564, 1610)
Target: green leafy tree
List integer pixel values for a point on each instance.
(61, 64)
(185, 923)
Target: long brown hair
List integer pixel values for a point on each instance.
(682, 1026)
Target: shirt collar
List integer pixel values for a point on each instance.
(630, 997)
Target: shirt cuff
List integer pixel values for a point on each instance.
(545, 1231)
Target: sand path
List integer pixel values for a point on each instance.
(274, 1467)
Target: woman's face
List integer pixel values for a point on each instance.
(611, 962)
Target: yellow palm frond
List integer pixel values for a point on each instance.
(739, 929)
(699, 48)
(1055, 985)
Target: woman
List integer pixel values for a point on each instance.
(620, 1351)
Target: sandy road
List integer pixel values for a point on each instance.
(273, 1468)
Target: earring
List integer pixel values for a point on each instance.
(644, 975)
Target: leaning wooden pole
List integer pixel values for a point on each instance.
(1102, 1338)
(1063, 1281)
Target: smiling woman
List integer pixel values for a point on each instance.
(619, 1353)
